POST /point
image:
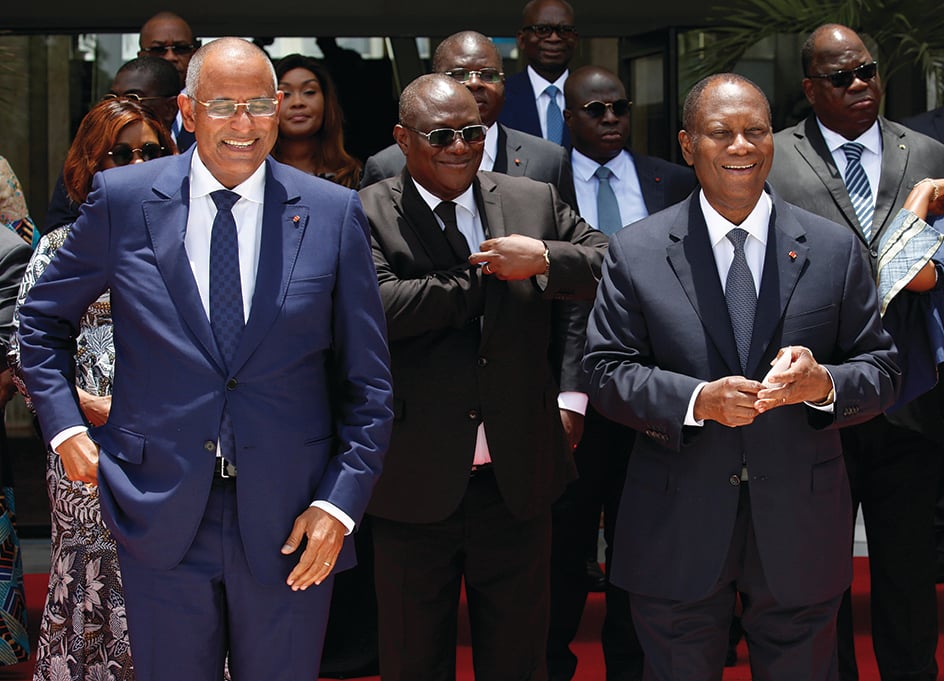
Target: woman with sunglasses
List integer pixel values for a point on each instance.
(83, 632)
(311, 135)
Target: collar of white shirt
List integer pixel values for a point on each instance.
(871, 139)
(755, 224)
(539, 83)
(466, 199)
(584, 166)
(202, 182)
(490, 153)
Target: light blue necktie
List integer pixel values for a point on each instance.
(555, 119)
(608, 212)
(226, 298)
(741, 296)
(857, 183)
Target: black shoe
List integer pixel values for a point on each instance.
(595, 577)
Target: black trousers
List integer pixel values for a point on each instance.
(894, 476)
(601, 459)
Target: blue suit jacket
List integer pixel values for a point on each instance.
(520, 110)
(659, 327)
(309, 391)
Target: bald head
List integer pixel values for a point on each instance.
(475, 61)
(232, 50)
(547, 37)
(585, 81)
(429, 92)
(459, 44)
(167, 36)
(532, 12)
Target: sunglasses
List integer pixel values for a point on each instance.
(444, 137)
(226, 108)
(597, 109)
(484, 75)
(179, 49)
(844, 79)
(545, 30)
(132, 97)
(123, 154)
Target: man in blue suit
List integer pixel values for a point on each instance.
(736, 482)
(252, 406)
(534, 98)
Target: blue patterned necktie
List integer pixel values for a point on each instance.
(857, 183)
(226, 298)
(555, 119)
(741, 296)
(608, 212)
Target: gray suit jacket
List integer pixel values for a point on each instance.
(805, 174)
(519, 155)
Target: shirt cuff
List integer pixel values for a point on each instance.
(64, 435)
(690, 419)
(336, 513)
(828, 408)
(573, 401)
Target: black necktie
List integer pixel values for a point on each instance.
(741, 296)
(226, 297)
(446, 211)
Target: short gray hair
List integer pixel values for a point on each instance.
(237, 47)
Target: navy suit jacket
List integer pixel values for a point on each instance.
(520, 110)
(930, 123)
(309, 392)
(659, 327)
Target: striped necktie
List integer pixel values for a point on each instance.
(857, 183)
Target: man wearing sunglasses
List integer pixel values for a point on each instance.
(855, 167)
(469, 266)
(253, 405)
(473, 60)
(535, 97)
(614, 187)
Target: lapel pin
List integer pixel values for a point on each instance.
(517, 161)
(295, 219)
(658, 179)
(793, 255)
(902, 147)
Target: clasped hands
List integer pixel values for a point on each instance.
(737, 401)
(511, 257)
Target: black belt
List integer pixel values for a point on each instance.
(480, 470)
(224, 469)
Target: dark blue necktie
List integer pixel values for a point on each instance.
(741, 296)
(226, 297)
(857, 183)
(555, 119)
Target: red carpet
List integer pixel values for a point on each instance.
(587, 647)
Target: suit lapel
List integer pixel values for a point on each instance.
(693, 261)
(284, 222)
(785, 258)
(813, 149)
(509, 159)
(653, 189)
(895, 154)
(488, 198)
(420, 219)
(166, 220)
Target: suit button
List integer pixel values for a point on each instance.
(231, 384)
(873, 252)
(735, 480)
(209, 445)
(473, 415)
(483, 362)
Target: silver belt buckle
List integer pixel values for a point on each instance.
(225, 468)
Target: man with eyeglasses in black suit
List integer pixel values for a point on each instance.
(469, 264)
(850, 165)
(534, 98)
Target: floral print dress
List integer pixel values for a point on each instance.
(83, 634)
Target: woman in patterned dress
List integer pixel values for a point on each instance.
(83, 633)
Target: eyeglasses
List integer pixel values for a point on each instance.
(597, 109)
(444, 137)
(179, 49)
(484, 75)
(131, 97)
(844, 78)
(262, 107)
(123, 154)
(545, 30)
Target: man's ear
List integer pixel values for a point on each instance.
(402, 137)
(687, 142)
(187, 113)
(809, 90)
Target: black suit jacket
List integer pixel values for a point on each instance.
(659, 327)
(520, 111)
(930, 123)
(519, 155)
(466, 347)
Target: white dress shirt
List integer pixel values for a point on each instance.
(624, 181)
(538, 84)
(490, 153)
(871, 159)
